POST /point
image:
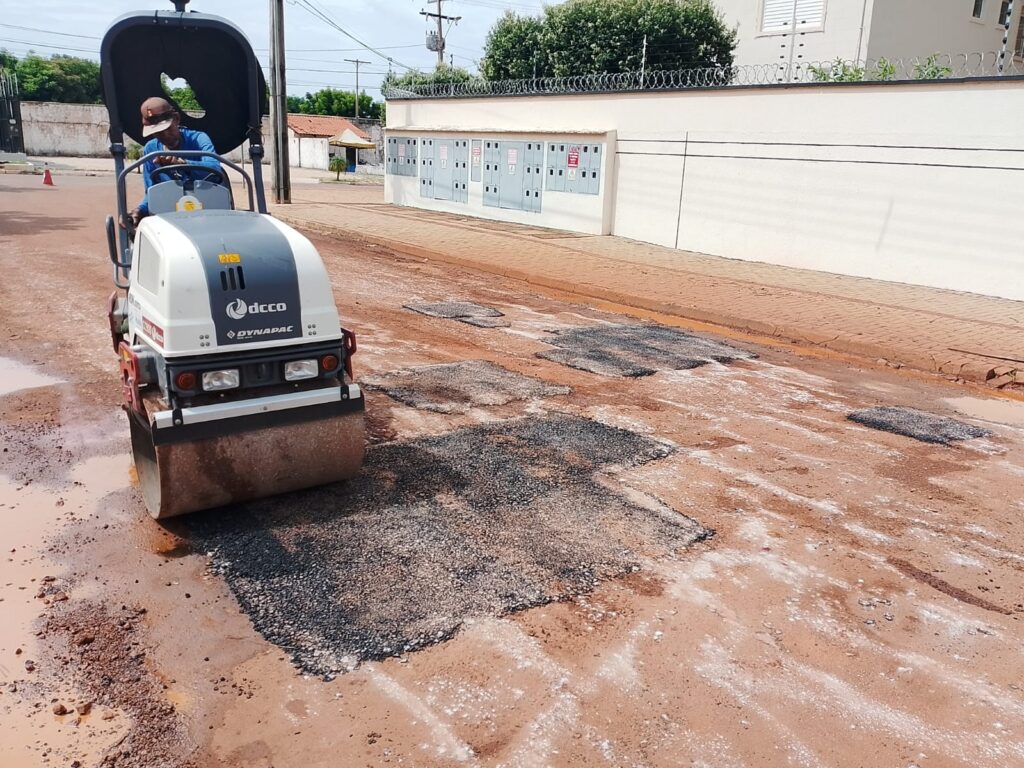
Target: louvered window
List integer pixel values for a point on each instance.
(780, 15)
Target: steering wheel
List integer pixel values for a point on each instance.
(181, 172)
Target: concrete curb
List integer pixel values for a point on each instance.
(958, 367)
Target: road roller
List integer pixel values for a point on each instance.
(235, 371)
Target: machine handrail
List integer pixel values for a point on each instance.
(122, 194)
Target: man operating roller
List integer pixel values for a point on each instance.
(161, 121)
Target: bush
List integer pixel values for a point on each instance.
(338, 164)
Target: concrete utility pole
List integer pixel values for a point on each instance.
(1006, 36)
(439, 17)
(357, 62)
(279, 105)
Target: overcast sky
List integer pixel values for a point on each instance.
(316, 52)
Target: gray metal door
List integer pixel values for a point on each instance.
(511, 166)
(491, 174)
(444, 166)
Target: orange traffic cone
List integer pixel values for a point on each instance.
(47, 178)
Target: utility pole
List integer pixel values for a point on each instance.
(357, 62)
(643, 64)
(439, 17)
(1006, 36)
(279, 105)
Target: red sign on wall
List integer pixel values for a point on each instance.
(574, 157)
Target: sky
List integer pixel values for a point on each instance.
(315, 52)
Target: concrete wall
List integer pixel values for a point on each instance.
(923, 27)
(72, 130)
(909, 182)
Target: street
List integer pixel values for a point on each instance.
(581, 537)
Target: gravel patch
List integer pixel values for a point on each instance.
(482, 521)
(463, 311)
(457, 387)
(910, 422)
(637, 350)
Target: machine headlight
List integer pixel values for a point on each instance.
(297, 370)
(214, 381)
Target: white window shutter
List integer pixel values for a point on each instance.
(810, 13)
(778, 15)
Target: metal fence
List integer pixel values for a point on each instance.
(11, 139)
(918, 68)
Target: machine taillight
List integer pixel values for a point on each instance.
(185, 380)
(329, 363)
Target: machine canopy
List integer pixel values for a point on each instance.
(211, 53)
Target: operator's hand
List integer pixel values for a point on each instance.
(134, 216)
(166, 160)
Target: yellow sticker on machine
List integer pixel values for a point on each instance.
(229, 258)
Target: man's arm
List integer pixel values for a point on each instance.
(205, 144)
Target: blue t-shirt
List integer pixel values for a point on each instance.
(190, 140)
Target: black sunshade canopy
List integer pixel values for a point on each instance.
(211, 53)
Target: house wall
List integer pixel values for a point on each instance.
(843, 34)
(919, 28)
(307, 151)
(908, 182)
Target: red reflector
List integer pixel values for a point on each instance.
(329, 362)
(186, 380)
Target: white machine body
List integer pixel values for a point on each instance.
(219, 280)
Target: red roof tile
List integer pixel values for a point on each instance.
(322, 125)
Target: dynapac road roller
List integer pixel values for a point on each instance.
(236, 372)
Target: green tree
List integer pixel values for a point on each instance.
(60, 78)
(443, 75)
(582, 37)
(329, 101)
(337, 165)
(8, 61)
(514, 48)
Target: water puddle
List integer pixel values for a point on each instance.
(15, 376)
(1009, 412)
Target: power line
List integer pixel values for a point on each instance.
(44, 45)
(308, 6)
(49, 32)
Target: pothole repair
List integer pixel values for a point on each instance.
(463, 311)
(637, 350)
(919, 425)
(482, 521)
(457, 387)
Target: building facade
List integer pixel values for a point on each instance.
(793, 32)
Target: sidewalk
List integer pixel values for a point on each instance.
(959, 335)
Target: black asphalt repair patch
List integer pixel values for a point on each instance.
(457, 387)
(910, 422)
(482, 521)
(464, 312)
(636, 350)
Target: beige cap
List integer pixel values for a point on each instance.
(157, 115)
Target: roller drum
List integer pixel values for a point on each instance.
(186, 477)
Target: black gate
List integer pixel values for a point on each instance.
(11, 136)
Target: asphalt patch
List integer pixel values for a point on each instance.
(463, 311)
(910, 422)
(457, 387)
(636, 350)
(482, 521)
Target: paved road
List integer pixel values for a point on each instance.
(545, 561)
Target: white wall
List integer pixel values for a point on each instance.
(909, 182)
(307, 152)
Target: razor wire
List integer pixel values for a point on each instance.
(882, 70)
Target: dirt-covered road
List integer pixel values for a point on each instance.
(580, 538)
